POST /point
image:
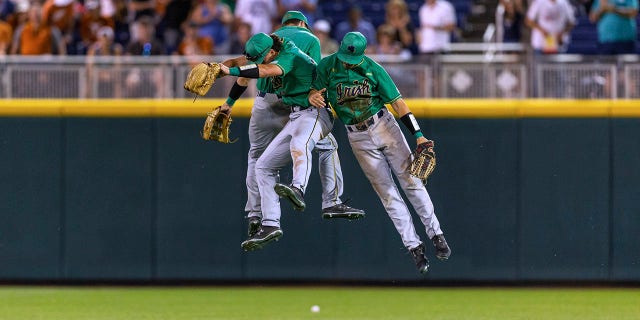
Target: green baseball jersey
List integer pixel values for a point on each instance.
(298, 72)
(357, 93)
(304, 40)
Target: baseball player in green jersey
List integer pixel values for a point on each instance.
(358, 89)
(269, 115)
(292, 71)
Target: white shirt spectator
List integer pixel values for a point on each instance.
(258, 13)
(435, 18)
(553, 16)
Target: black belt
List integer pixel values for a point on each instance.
(262, 94)
(364, 125)
(297, 108)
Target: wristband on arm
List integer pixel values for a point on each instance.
(248, 71)
(412, 124)
(235, 93)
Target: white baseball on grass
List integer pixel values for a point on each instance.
(315, 308)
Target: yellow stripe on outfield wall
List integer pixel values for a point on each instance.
(422, 108)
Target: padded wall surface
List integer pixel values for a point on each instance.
(624, 233)
(148, 199)
(108, 191)
(31, 210)
(199, 192)
(564, 199)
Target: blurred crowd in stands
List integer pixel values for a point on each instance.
(206, 27)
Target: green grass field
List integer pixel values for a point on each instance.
(182, 303)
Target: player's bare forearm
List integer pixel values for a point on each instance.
(235, 62)
(269, 70)
(400, 107)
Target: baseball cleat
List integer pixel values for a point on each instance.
(442, 248)
(422, 263)
(342, 210)
(291, 193)
(254, 225)
(265, 235)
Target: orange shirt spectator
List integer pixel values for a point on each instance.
(35, 38)
(59, 13)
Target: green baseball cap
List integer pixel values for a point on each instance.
(352, 48)
(257, 47)
(294, 15)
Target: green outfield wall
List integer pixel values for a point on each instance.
(537, 190)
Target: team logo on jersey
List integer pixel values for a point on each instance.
(357, 91)
(276, 81)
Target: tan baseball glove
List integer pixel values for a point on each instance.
(424, 161)
(216, 126)
(201, 78)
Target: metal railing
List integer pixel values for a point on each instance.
(480, 71)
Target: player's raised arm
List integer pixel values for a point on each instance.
(252, 71)
(235, 62)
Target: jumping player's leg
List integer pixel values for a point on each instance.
(374, 165)
(399, 156)
(307, 128)
(273, 158)
(268, 117)
(330, 171)
(332, 183)
(276, 156)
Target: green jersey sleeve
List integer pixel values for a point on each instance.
(285, 60)
(387, 88)
(322, 78)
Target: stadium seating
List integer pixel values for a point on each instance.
(374, 12)
(472, 15)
